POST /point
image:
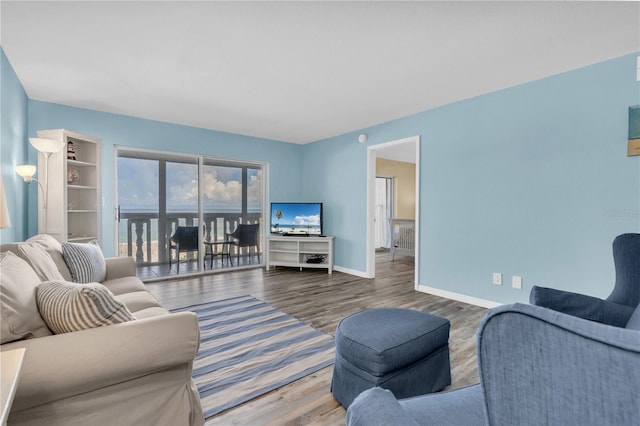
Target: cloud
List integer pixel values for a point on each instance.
(219, 191)
(307, 220)
(138, 185)
(254, 191)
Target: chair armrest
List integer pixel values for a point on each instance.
(582, 306)
(377, 407)
(60, 366)
(120, 267)
(464, 406)
(539, 365)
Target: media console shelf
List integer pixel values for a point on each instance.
(300, 252)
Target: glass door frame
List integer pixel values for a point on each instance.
(201, 160)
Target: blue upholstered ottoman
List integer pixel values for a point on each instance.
(402, 350)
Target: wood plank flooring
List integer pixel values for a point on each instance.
(322, 300)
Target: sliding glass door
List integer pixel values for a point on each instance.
(232, 196)
(138, 208)
(161, 192)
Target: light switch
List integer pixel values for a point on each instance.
(516, 282)
(497, 278)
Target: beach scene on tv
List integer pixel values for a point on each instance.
(296, 218)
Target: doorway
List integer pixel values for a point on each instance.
(404, 150)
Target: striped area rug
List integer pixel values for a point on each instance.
(248, 348)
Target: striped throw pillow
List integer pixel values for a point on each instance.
(67, 307)
(85, 261)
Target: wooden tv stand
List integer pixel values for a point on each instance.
(297, 251)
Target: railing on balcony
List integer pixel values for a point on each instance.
(147, 236)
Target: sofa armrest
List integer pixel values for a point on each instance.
(535, 363)
(582, 306)
(377, 407)
(120, 267)
(64, 365)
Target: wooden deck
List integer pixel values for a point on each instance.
(322, 300)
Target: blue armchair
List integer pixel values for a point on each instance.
(537, 367)
(615, 309)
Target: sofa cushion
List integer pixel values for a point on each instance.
(85, 261)
(40, 260)
(18, 308)
(138, 300)
(120, 286)
(68, 307)
(54, 248)
(150, 312)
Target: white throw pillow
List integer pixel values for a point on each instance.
(40, 260)
(86, 262)
(20, 318)
(46, 241)
(54, 248)
(68, 307)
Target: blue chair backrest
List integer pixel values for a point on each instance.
(626, 258)
(187, 237)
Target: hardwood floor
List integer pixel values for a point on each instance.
(322, 300)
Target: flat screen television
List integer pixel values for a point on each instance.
(296, 218)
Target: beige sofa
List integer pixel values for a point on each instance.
(133, 373)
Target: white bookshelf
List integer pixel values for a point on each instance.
(73, 211)
(298, 252)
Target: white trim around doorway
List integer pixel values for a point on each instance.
(371, 179)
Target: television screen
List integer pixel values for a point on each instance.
(296, 218)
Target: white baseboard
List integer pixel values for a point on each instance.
(352, 272)
(430, 290)
(459, 297)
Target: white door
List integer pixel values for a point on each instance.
(383, 211)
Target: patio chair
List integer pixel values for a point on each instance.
(245, 235)
(185, 239)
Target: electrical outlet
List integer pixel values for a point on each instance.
(497, 278)
(516, 282)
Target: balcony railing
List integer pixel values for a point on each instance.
(148, 235)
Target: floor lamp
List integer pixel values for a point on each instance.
(46, 147)
(5, 221)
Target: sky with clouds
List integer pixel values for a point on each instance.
(138, 187)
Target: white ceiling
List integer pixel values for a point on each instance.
(299, 71)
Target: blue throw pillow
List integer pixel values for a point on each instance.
(85, 261)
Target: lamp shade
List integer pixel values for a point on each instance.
(46, 145)
(26, 171)
(5, 221)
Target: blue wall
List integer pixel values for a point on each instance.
(13, 137)
(283, 158)
(531, 181)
